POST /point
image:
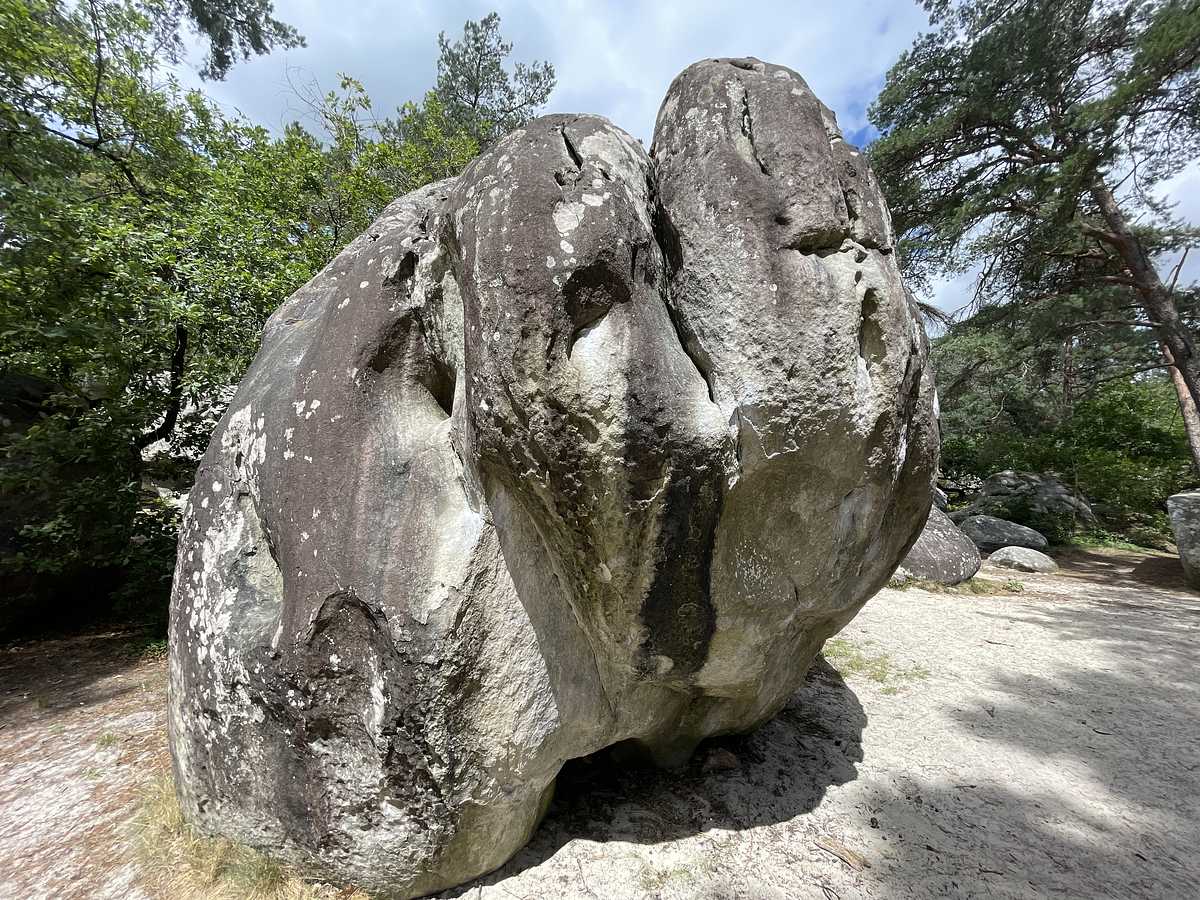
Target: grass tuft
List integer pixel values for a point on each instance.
(850, 659)
(977, 586)
(151, 648)
(179, 863)
(1139, 540)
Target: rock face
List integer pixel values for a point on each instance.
(942, 553)
(1040, 502)
(990, 533)
(1023, 560)
(583, 448)
(1184, 510)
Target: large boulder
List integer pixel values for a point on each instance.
(1184, 511)
(990, 533)
(942, 553)
(579, 449)
(1023, 560)
(1041, 502)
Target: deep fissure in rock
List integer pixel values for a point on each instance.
(871, 344)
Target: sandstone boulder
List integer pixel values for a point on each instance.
(1023, 560)
(1038, 501)
(990, 533)
(1184, 511)
(582, 448)
(942, 553)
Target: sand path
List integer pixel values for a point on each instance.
(1028, 745)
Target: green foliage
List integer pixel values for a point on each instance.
(1023, 140)
(478, 93)
(999, 123)
(234, 29)
(368, 163)
(1010, 401)
(144, 239)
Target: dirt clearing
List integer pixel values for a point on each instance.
(1034, 744)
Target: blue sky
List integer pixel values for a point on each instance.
(612, 57)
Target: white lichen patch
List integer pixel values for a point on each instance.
(568, 216)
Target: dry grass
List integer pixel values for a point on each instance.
(977, 586)
(179, 863)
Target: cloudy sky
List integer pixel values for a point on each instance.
(612, 57)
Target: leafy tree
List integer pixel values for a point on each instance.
(144, 239)
(234, 29)
(1027, 138)
(369, 162)
(1043, 388)
(476, 90)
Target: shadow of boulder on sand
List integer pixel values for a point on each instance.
(778, 772)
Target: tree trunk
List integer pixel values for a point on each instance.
(174, 395)
(1158, 302)
(1187, 409)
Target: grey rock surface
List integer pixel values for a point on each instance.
(1023, 560)
(1184, 512)
(582, 448)
(990, 533)
(1038, 501)
(942, 553)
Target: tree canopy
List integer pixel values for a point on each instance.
(145, 236)
(1027, 139)
(478, 93)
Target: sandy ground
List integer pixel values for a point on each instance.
(1032, 745)
(82, 725)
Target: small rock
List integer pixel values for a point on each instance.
(1023, 560)
(1184, 510)
(990, 534)
(942, 553)
(721, 760)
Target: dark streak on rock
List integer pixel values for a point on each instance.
(678, 612)
(748, 131)
(571, 149)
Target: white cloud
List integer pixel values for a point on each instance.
(614, 59)
(620, 65)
